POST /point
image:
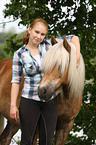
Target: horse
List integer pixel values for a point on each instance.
(68, 106)
(61, 76)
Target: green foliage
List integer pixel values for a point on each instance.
(66, 17)
(93, 61)
(5, 44)
(13, 43)
(3, 37)
(1, 57)
(16, 141)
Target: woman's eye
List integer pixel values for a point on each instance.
(42, 34)
(37, 32)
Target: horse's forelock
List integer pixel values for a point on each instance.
(56, 56)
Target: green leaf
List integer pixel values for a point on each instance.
(13, 36)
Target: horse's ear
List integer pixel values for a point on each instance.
(53, 40)
(66, 45)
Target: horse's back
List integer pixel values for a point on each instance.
(5, 69)
(5, 65)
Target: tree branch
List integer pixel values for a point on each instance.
(7, 22)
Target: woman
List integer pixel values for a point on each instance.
(32, 110)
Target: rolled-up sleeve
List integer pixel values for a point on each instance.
(68, 37)
(59, 39)
(16, 69)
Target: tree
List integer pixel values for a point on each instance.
(67, 17)
(3, 37)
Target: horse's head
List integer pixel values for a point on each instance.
(55, 64)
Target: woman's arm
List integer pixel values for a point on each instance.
(75, 41)
(14, 112)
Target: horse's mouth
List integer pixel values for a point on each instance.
(45, 93)
(45, 98)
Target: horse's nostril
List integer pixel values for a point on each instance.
(44, 91)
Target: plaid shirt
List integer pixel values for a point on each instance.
(23, 62)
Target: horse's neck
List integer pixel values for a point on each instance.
(64, 91)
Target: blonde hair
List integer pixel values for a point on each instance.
(25, 38)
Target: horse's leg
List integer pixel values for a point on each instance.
(8, 133)
(1, 123)
(62, 132)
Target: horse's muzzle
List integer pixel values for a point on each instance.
(45, 93)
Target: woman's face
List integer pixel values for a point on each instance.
(37, 33)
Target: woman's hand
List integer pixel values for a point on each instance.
(77, 59)
(14, 112)
(75, 41)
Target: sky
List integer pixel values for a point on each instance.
(11, 25)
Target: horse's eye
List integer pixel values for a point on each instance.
(59, 67)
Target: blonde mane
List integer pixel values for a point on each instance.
(76, 75)
(59, 57)
(56, 56)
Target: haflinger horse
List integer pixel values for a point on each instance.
(61, 73)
